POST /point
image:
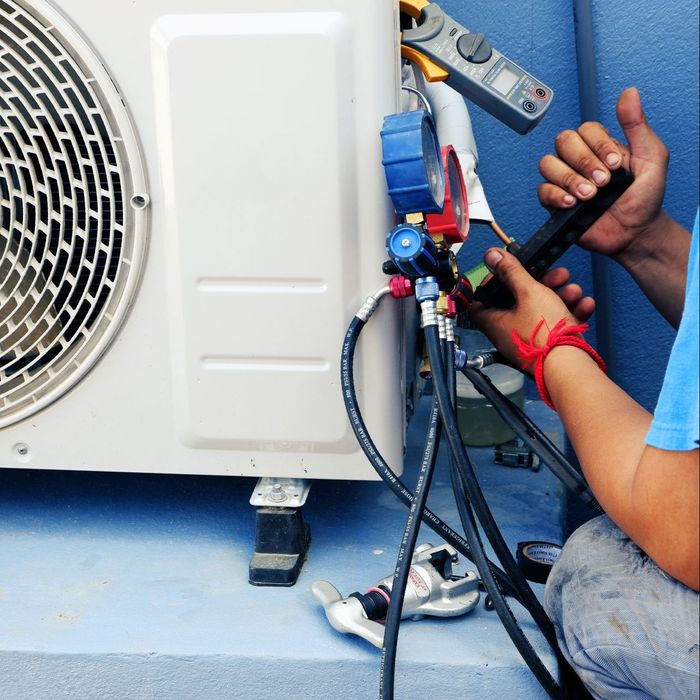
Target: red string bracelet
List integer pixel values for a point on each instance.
(559, 335)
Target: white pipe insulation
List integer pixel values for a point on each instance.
(454, 126)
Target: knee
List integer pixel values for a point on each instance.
(591, 572)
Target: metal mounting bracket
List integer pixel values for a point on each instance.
(281, 536)
(286, 493)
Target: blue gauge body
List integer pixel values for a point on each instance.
(412, 251)
(412, 163)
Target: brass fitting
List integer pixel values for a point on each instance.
(425, 370)
(440, 242)
(416, 219)
(443, 305)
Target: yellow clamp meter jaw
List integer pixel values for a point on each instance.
(447, 51)
(432, 72)
(413, 7)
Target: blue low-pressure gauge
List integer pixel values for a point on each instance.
(412, 163)
(412, 251)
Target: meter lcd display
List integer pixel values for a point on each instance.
(505, 81)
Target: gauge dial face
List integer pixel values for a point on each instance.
(458, 194)
(412, 163)
(452, 223)
(433, 162)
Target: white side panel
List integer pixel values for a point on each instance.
(259, 121)
(256, 260)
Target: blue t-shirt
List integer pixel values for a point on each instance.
(676, 418)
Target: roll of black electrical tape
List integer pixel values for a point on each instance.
(536, 559)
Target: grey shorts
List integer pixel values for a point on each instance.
(628, 629)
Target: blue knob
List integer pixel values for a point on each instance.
(412, 163)
(412, 251)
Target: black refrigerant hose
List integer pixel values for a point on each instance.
(379, 464)
(463, 508)
(405, 556)
(533, 437)
(475, 493)
(494, 579)
(493, 573)
(477, 501)
(461, 500)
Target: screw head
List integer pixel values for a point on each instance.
(277, 494)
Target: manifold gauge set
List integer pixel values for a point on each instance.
(426, 185)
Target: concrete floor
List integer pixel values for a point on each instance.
(132, 586)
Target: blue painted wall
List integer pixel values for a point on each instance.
(653, 45)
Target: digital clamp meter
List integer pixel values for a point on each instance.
(477, 70)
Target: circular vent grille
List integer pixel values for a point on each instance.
(72, 198)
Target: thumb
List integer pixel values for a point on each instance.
(507, 269)
(643, 142)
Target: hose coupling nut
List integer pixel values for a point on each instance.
(367, 309)
(400, 287)
(449, 329)
(442, 328)
(483, 359)
(427, 289)
(429, 315)
(460, 359)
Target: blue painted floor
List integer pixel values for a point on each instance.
(131, 586)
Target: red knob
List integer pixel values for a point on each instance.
(463, 295)
(400, 287)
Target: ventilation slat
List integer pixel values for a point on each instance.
(66, 227)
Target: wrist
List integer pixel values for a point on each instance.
(560, 337)
(562, 364)
(646, 242)
(565, 365)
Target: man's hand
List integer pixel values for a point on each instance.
(585, 159)
(534, 301)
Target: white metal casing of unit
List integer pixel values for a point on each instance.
(259, 123)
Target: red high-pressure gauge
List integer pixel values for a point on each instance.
(453, 223)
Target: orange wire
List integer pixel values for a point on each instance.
(500, 232)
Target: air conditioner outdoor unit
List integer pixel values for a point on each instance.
(193, 208)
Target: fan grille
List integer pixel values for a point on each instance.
(71, 227)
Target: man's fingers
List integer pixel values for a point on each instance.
(556, 278)
(584, 309)
(571, 295)
(644, 143)
(608, 151)
(564, 176)
(508, 269)
(577, 153)
(581, 307)
(554, 197)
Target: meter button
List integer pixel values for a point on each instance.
(475, 48)
(529, 106)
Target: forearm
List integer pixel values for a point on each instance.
(657, 261)
(650, 494)
(605, 425)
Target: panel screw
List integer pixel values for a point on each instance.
(140, 201)
(22, 449)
